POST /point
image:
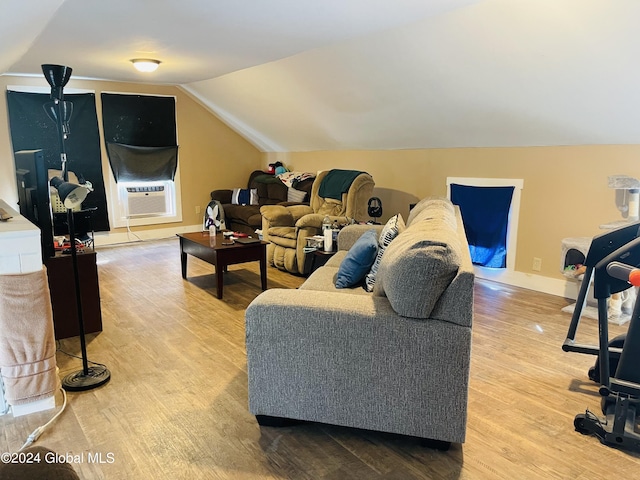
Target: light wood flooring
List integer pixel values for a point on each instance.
(176, 406)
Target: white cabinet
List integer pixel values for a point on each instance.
(19, 244)
(20, 252)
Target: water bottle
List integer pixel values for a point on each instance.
(327, 234)
(328, 239)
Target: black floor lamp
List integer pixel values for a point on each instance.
(71, 195)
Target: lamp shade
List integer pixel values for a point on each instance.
(57, 77)
(66, 110)
(71, 194)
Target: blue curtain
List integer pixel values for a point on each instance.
(485, 214)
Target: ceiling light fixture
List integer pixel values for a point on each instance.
(145, 64)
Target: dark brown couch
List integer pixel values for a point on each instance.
(271, 191)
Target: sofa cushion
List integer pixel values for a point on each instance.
(324, 279)
(240, 213)
(427, 206)
(270, 189)
(336, 259)
(418, 266)
(358, 260)
(392, 228)
(330, 207)
(437, 211)
(255, 220)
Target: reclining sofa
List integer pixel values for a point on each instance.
(270, 191)
(394, 360)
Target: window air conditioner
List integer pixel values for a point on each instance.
(146, 201)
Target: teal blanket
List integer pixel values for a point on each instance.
(336, 182)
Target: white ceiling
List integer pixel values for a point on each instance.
(295, 75)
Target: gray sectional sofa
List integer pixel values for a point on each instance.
(395, 360)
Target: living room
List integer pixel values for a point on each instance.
(563, 153)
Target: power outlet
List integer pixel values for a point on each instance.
(537, 264)
(198, 209)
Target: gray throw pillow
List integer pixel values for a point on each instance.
(294, 195)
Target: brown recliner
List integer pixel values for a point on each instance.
(286, 227)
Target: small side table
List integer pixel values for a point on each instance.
(65, 316)
(319, 258)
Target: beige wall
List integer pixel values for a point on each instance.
(565, 188)
(211, 155)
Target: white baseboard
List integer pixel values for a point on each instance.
(114, 238)
(553, 286)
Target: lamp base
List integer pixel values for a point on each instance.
(78, 381)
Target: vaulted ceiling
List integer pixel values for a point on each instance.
(297, 75)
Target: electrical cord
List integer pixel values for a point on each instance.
(130, 232)
(58, 349)
(38, 431)
(139, 239)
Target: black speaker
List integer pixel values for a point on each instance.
(33, 195)
(374, 207)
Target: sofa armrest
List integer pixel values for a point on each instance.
(349, 234)
(311, 220)
(223, 196)
(315, 220)
(276, 216)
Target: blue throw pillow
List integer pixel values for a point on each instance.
(357, 263)
(244, 196)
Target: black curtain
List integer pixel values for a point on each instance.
(139, 164)
(32, 129)
(131, 121)
(485, 214)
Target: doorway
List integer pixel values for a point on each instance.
(491, 207)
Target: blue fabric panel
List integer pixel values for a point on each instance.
(243, 197)
(485, 214)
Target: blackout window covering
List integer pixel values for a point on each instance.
(32, 129)
(485, 214)
(130, 163)
(140, 136)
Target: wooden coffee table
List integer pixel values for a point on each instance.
(215, 252)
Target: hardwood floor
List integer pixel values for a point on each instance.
(176, 406)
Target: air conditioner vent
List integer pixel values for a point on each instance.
(146, 201)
